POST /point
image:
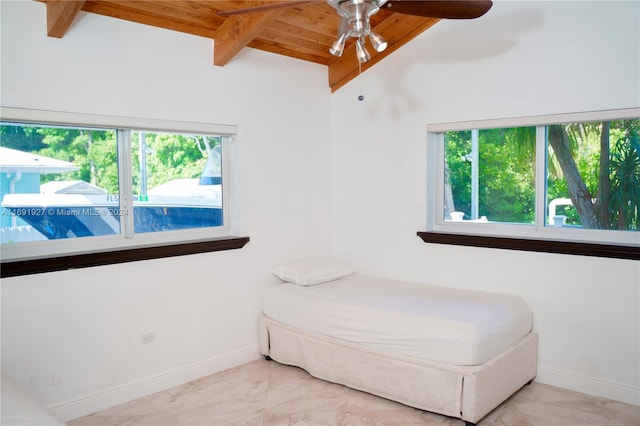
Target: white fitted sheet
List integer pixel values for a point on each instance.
(441, 324)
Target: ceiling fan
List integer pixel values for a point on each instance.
(355, 16)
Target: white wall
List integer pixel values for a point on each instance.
(83, 326)
(362, 196)
(521, 59)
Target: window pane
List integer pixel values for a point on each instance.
(57, 182)
(490, 175)
(177, 181)
(594, 175)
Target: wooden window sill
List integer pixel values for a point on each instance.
(85, 260)
(544, 246)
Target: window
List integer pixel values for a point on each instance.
(75, 183)
(563, 178)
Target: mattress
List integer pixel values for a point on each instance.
(440, 324)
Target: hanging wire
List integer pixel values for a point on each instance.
(361, 96)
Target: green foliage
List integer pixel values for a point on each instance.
(170, 156)
(625, 179)
(22, 138)
(506, 187)
(94, 152)
(623, 171)
(507, 173)
(457, 147)
(105, 165)
(499, 171)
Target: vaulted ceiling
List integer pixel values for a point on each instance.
(304, 31)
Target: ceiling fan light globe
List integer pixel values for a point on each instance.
(361, 52)
(378, 43)
(338, 46)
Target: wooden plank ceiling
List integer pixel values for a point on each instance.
(304, 31)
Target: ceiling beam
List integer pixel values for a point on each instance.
(239, 30)
(60, 16)
(397, 29)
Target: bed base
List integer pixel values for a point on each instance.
(465, 392)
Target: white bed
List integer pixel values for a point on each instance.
(456, 352)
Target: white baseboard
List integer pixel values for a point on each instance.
(588, 385)
(106, 398)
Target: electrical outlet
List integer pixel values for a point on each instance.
(148, 337)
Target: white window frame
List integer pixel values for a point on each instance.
(127, 239)
(538, 231)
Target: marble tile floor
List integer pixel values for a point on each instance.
(267, 393)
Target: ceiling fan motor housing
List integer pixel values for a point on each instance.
(355, 15)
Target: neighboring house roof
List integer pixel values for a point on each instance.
(71, 187)
(187, 188)
(12, 161)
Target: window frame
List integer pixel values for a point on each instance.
(147, 243)
(522, 233)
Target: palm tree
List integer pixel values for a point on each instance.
(596, 164)
(615, 201)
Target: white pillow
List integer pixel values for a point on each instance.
(313, 270)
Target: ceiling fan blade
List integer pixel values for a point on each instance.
(265, 7)
(448, 9)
